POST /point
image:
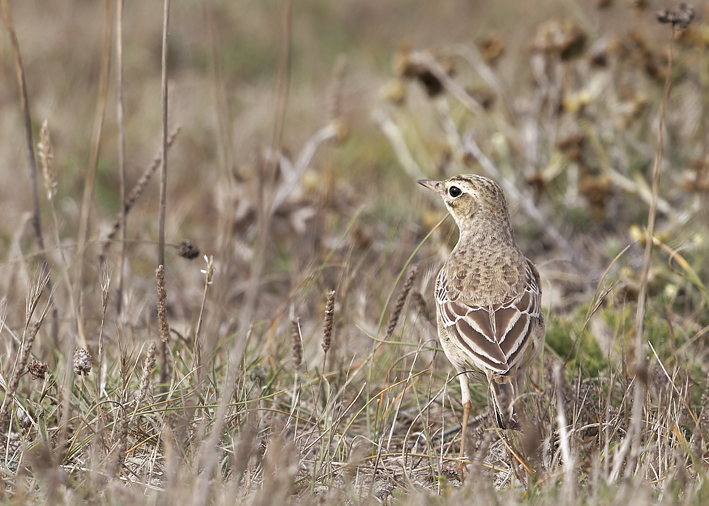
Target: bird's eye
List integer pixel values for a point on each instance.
(455, 192)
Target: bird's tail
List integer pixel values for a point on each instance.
(502, 397)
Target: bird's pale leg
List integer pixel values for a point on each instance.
(467, 404)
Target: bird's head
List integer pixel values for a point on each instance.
(471, 200)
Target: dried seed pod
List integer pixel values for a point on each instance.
(188, 249)
(82, 362)
(37, 369)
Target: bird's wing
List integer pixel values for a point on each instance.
(494, 335)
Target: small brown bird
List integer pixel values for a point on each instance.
(488, 296)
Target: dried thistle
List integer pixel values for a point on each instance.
(162, 305)
(406, 67)
(37, 369)
(329, 316)
(400, 301)
(82, 362)
(188, 249)
(46, 160)
(681, 18)
(297, 343)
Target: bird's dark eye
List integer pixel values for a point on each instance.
(455, 192)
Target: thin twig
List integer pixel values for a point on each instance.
(640, 359)
(197, 348)
(266, 180)
(93, 160)
(121, 152)
(29, 146)
(569, 473)
(163, 165)
(134, 194)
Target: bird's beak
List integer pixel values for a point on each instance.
(436, 186)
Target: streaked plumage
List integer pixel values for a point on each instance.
(488, 295)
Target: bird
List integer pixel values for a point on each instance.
(488, 297)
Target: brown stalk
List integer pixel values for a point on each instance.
(29, 146)
(641, 369)
(569, 464)
(118, 454)
(162, 308)
(45, 151)
(197, 348)
(134, 195)
(206, 460)
(220, 99)
(163, 165)
(267, 172)
(121, 152)
(95, 148)
(105, 288)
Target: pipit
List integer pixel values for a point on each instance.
(488, 297)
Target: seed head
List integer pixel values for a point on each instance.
(297, 343)
(46, 160)
(329, 316)
(408, 284)
(82, 362)
(162, 305)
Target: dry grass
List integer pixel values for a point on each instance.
(272, 374)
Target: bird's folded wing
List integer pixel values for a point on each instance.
(495, 335)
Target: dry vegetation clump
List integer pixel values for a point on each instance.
(301, 363)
